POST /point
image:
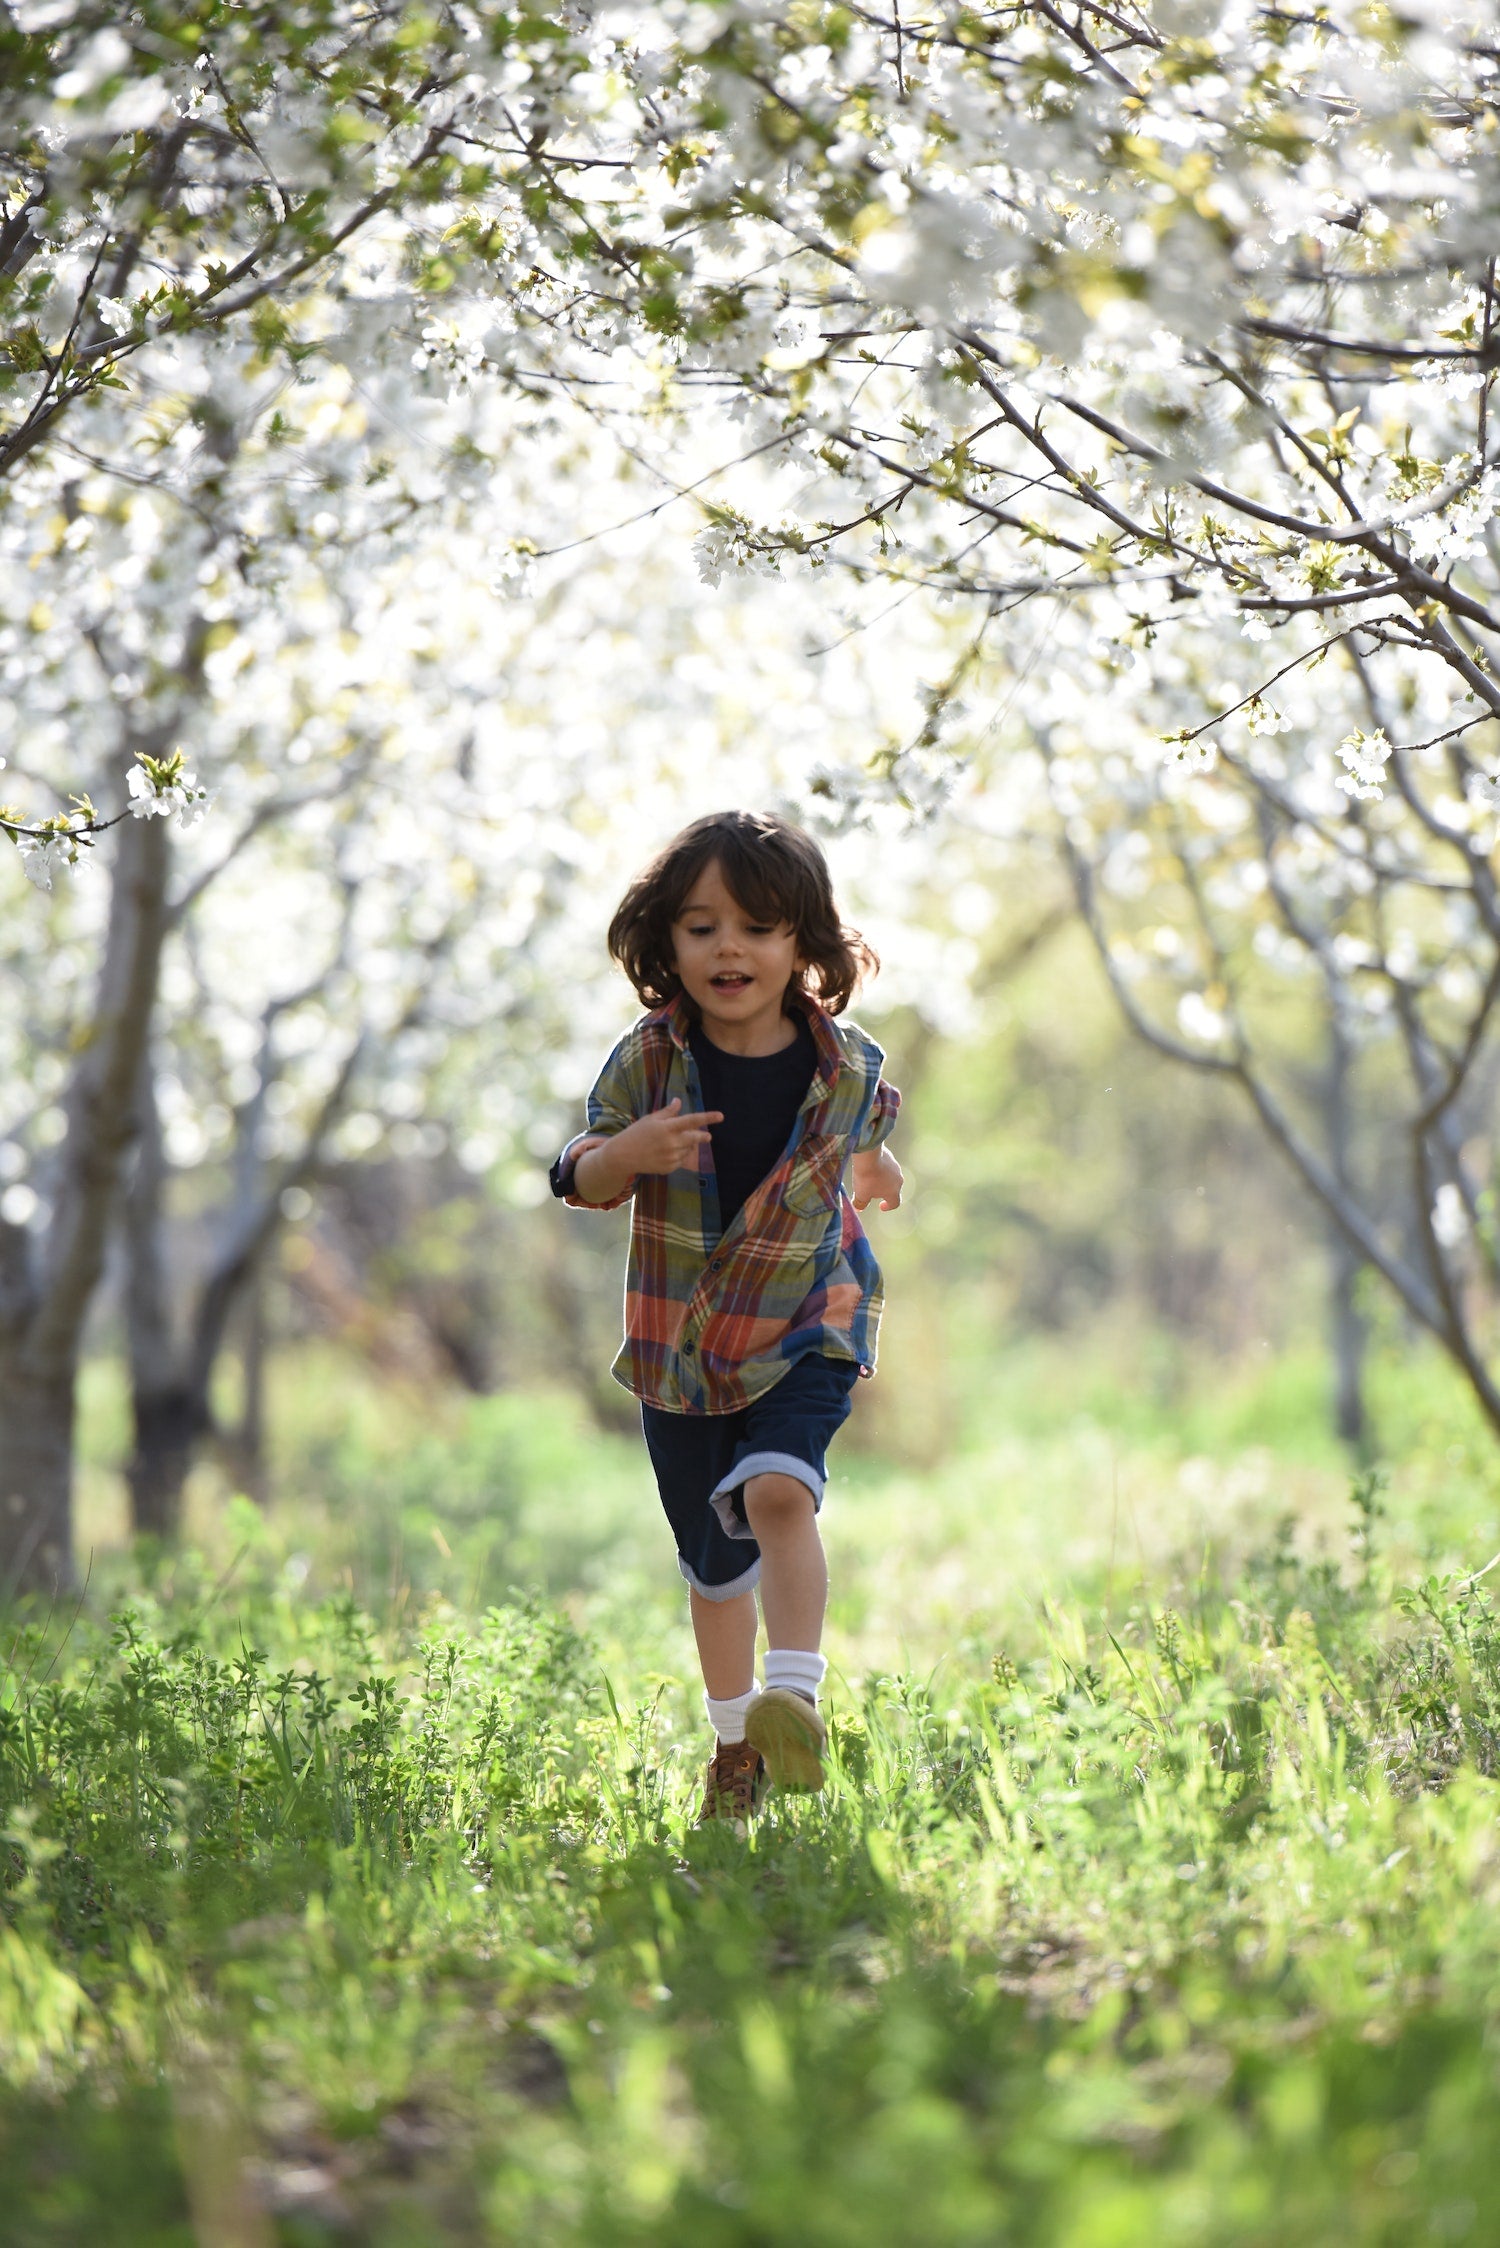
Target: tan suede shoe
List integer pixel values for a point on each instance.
(733, 1784)
(791, 1736)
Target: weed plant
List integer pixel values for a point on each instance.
(1173, 1927)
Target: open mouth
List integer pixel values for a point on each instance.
(730, 983)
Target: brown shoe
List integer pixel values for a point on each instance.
(791, 1736)
(733, 1784)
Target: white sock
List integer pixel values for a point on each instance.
(728, 1718)
(800, 1668)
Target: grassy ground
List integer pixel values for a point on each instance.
(353, 1893)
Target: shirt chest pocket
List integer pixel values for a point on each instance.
(812, 1187)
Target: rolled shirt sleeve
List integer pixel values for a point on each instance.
(616, 1100)
(881, 1121)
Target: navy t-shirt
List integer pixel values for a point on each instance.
(760, 1095)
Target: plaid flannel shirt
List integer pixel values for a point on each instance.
(712, 1323)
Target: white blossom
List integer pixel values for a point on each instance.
(712, 551)
(514, 577)
(1262, 719)
(166, 792)
(1200, 756)
(42, 856)
(798, 338)
(1365, 757)
(731, 547)
(1455, 533)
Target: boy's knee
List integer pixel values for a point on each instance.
(775, 1501)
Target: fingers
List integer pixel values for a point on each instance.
(690, 1130)
(884, 1191)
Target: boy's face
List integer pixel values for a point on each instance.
(736, 969)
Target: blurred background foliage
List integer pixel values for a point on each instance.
(1070, 1200)
(1109, 1308)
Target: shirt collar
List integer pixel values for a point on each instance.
(678, 1022)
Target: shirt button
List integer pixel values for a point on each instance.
(716, 1264)
(687, 1350)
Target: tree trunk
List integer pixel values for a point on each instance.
(39, 1365)
(165, 1410)
(1346, 1327)
(168, 1424)
(1347, 1340)
(36, 1477)
(172, 1372)
(246, 1446)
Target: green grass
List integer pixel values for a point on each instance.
(1154, 1899)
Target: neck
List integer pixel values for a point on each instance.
(768, 1032)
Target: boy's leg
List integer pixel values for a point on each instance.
(688, 1455)
(784, 1723)
(782, 1461)
(782, 1514)
(725, 1632)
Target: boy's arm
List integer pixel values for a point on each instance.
(598, 1170)
(666, 1140)
(874, 1173)
(610, 1186)
(603, 1175)
(615, 1102)
(617, 1098)
(560, 1177)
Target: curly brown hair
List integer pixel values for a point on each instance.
(775, 872)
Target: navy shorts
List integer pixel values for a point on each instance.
(704, 1460)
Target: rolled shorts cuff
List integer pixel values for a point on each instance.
(746, 1581)
(721, 1498)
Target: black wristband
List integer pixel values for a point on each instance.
(560, 1177)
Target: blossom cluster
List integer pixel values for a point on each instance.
(161, 788)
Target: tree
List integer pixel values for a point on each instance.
(194, 173)
(428, 781)
(198, 199)
(1160, 340)
(221, 573)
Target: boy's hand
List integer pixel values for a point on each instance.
(875, 1176)
(664, 1141)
